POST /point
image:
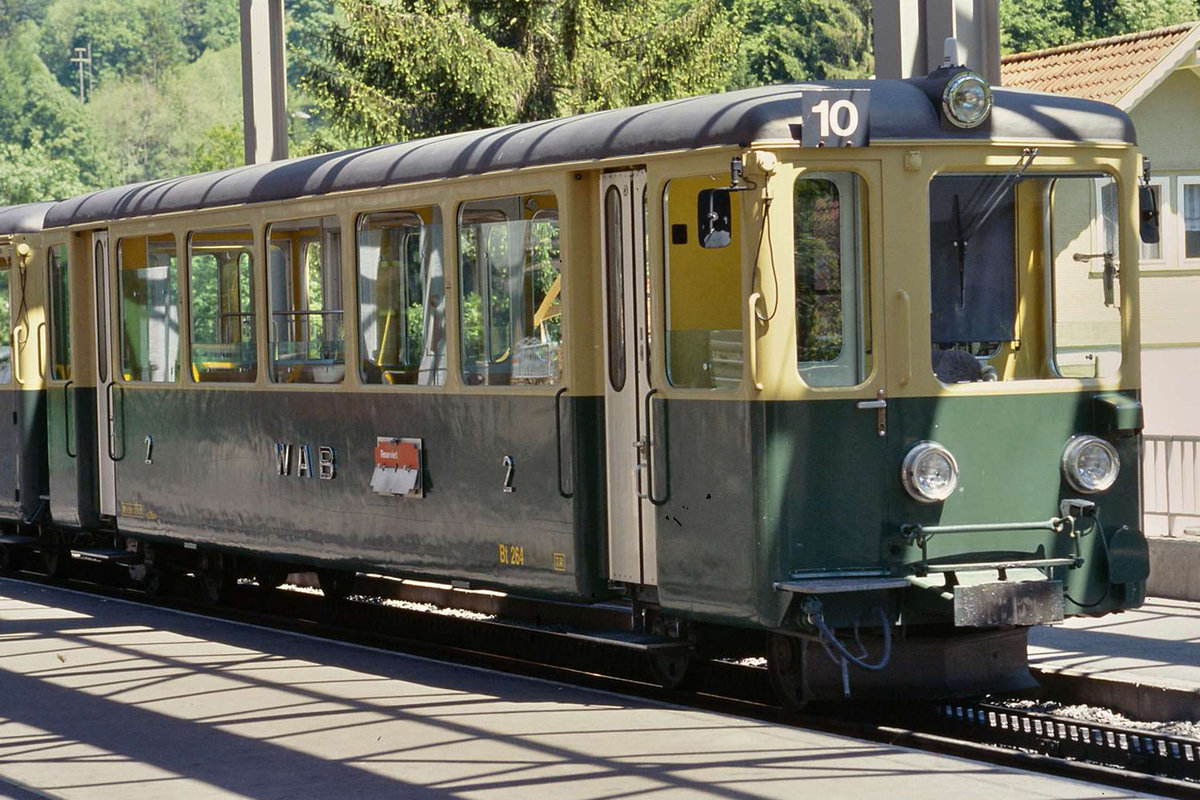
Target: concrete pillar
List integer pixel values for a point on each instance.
(264, 81)
(909, 36)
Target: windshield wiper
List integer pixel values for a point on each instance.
(962, 238)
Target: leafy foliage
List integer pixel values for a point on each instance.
(798, 40)
(400, 69)
(1037, 24)
(46, 147)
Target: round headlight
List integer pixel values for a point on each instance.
(929, 472)
(967, 100)
(1090, 464)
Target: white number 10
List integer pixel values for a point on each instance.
(831, 117)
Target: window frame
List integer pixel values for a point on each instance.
(270, 341)
(52, 295)
(252, 250)
(1166, 245)
(447, 366)
(1179, 213)
(737, 245)
(460, 363)
(864, 280)
(117, 324)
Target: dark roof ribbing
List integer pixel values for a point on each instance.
(899, 110)
(23, 219)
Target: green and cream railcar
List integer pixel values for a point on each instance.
(23, 471)
(794, 360)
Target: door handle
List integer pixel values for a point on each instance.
(67, 419)
(558, 443)
(112, 428)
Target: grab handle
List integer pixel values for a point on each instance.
(651, 450)
(558, 442)
(906, 339)
(21, 335)
(41, 350)
(67, 419)
(112, 420)
(753, 318)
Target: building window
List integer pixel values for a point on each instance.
(1189, 192)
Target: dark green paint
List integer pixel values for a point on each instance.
(214, 480)
(765, 492)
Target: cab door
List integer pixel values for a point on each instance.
(832, 444)
(631, 536)
(105, 425)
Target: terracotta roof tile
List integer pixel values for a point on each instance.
(1102, 69)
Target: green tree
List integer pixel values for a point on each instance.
(798, 40)
(408, 68)
(1036, 24)
(49, 145)
(208, 25)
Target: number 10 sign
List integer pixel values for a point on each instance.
(834, 117)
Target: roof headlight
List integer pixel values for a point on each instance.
(1090, 464)
(929, 472)
(967, 100)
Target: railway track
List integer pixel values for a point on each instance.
(539, 646)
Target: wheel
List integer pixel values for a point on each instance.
(336, 583)
(155, 582)
(676, 669)
(216, 585)
(785, 668)
(271, 576)
(10, 558)
(55, 555)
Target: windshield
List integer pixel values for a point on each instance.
(1024, 276)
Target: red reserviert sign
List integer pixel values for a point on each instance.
(398, 455)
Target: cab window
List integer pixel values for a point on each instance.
(401, 297)
(1050, 242)
(148, 268)
(704, 283)
(510, 272)
(304, 283)
(833, 337)
(221, 279)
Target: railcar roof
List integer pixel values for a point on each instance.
(26, 218)
(898, 110)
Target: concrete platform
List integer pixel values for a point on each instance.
(103, 699)
(1145, 662)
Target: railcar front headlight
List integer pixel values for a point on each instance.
(929, 472)
(967, 100)
(1090, 464)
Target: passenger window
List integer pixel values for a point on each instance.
(1085, 246)
(833, 336)
(704, 287)
(220, 264)
(401, 297)
(60, 314)
(148, 269)
(510, 271)
(6, 349)
(304, 282)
